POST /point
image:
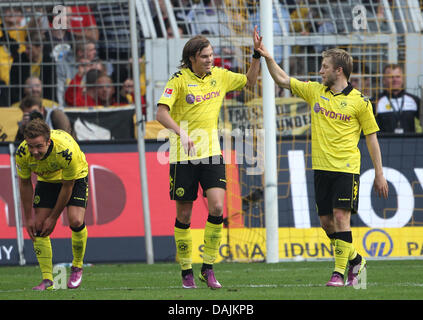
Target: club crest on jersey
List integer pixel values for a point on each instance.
(168, 92)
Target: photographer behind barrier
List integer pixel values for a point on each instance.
(33, 108)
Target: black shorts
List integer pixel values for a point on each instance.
(336, 190)
(185, 176)
(46, 194)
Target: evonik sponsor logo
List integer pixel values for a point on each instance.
(331, 114)
(190, 98)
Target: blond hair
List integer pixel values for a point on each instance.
(340, 58)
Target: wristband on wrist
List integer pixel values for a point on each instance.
(256, 55)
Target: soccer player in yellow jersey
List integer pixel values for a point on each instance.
(339, 114)
(55, 157)
(190, 107)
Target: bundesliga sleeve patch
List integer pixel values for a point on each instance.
(168, 93)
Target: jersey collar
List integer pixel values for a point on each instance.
(50, 148)
(346, 90)
(203, 77)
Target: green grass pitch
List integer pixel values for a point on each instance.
(385, 280)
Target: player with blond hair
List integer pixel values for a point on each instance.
(338, 115)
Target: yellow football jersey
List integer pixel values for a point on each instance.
(64, 160)
(195, 104)
(336, 124)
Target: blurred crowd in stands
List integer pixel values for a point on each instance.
(86, 61)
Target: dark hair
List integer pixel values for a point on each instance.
(194, 45)
(30, 101)
(36, 128)
(92, 76)
(392, 66)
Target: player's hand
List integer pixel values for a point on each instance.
(381, 186)
(30, 228)
(258, 44)
(48, 227)
(187, 144)
(256, 38)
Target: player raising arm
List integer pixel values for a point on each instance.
(55, 157)
(190, 107)
(339, 114)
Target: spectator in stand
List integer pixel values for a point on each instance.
(74, 95)
(82, 23)
(35, 61)
(34, 88)
(83, 95)
(397, 111)
(32, 107)
(12, 36)
(125, 83)
(14, 22)
(114, 44)
(67, 65)
(58, 36)
(104, 91)
(360, 80)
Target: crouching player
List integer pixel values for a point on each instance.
(62, 181)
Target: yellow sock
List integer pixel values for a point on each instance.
(183, 240)
(212, 239)
(42, 248)
(79, 243)
(342, 252)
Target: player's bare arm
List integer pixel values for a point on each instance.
(62, 200)
(380, 184)
(166, 120)
(26, 192)
(253, 71)
(279, 76)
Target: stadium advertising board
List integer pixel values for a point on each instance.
(313, 243)
(292, 115)
(383, 228)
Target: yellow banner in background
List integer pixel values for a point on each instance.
(245, 244)
(9, 118)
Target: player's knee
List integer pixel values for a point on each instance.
(76, 222)
(341, 216)
(326, 222)
(184, 216)
(216, 209)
